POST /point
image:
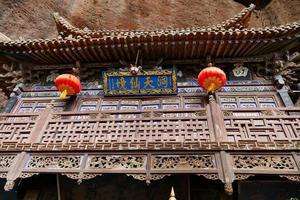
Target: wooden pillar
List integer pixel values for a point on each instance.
(10, 104)
(40, 126)
(15, 170)
(58, 187)
(227, 172)
(218, 121)
(13, 99)
(286, 99)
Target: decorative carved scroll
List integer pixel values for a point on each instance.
(61, 162)
(184, 162)
(81, 176)
(123, 162)
(141, 177)
(27, 174)
(292, 177)
(153, 177)
(210, 176)
(242, 176)
(274, 162)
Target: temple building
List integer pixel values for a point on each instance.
(132, 121)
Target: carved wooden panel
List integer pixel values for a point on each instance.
(128, 127)
(183, 162)
(262, 125)
(154, 103)
(255, 100)
(38, 105)
(16, 127)
(6, 161)
(264, 162)
(117, 162)
(53, 162)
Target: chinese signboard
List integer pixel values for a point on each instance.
(147, 82)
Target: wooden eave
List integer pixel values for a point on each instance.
(180, 44)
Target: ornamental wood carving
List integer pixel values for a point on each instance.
(183, 162)
(53, 162)
(81, 176)
(11, 75)
(264, 162)
(288, 68)
(116, 162)
(6, 161)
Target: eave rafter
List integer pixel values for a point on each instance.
(187, 44)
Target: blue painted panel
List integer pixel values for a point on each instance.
(148, 82)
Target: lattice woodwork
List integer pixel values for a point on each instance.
(16, 127)
(180, 102)
(262, 125)
(116, 162)
(183, 162)
(189, 126)
(264, 162)
(248, 101)
(54, 162)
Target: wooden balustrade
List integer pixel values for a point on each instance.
(160, 126)
(262, 124)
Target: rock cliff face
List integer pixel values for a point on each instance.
(31, 19)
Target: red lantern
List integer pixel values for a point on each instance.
(211, 79)
(67, 84)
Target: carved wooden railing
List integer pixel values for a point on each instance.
(17, 127)
(25, 137)
(185, 126)
(128, 126)
(262, 124)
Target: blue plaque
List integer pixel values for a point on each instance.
(146, 82)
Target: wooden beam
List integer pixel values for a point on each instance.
(153, 62)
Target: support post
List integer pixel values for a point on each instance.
(286, 99)
(218, 121)
(15, 171)
(40, 126)
(58, 187)
(227, 172)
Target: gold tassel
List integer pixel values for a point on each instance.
(63, 94)
(211, 88)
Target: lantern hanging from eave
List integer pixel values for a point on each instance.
(67, 84)
(211, 79)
